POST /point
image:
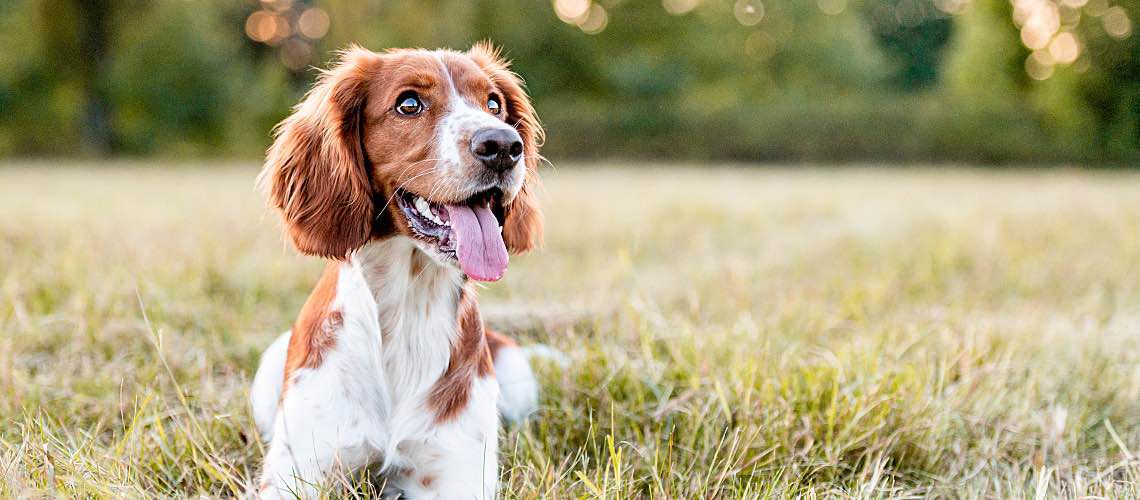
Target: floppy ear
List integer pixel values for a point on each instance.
(315, 172)
(522, 226)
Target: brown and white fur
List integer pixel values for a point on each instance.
(389, 367)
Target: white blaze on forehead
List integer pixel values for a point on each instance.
(461, 121)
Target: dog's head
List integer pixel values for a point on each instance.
(437, 146)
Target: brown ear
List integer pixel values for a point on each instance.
(315, 172)
(522, 227)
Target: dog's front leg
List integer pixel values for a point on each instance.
(320, 434)
(459, 459)
(452, 467)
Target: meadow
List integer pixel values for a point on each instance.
(728, 332)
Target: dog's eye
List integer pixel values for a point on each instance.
(493, 105)
(409, 104)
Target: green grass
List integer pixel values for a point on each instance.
(731, 332)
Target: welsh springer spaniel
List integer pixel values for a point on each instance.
(413, 172)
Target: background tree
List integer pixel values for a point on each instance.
(836, 80)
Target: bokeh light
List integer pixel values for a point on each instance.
(1070, 18)
(679, 7)
(313, 23)
(1065, 48)
(290, 26)
(295, 54)
(572, 11)
(951, 7)
(595, 20)
(748, 12)
(1116, 23)
(266, 27)
(739, 69)
(1049, 29)
(1039, 21)
(1039, 65)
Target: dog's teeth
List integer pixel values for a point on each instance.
(423, 208)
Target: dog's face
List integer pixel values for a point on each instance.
(437, 146)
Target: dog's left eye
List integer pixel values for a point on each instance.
(409, 104)
(493, 105)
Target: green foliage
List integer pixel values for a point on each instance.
(913, 33)
(867, 79)
(38, 104)
(174, 62)
(1110, 86)
(984, 69)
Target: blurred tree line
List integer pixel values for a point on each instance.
(992, 81)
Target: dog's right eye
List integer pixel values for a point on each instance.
(409, 104)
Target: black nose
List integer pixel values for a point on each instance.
(498, 148)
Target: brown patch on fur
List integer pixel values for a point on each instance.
(315, 170)
(470, 358)
(496, 341)
(427, 481)
(314, 332)
(419, 260)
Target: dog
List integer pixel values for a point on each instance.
(414, 173)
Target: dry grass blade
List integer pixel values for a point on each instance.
(715, 333)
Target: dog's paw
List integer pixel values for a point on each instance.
(518, 389)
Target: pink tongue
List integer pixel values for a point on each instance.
(479, 243)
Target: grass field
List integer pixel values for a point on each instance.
(730, 332)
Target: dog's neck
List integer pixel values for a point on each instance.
(417, 300)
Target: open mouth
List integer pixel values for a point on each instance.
(470, 231)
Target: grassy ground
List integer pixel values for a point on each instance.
(730, 333)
